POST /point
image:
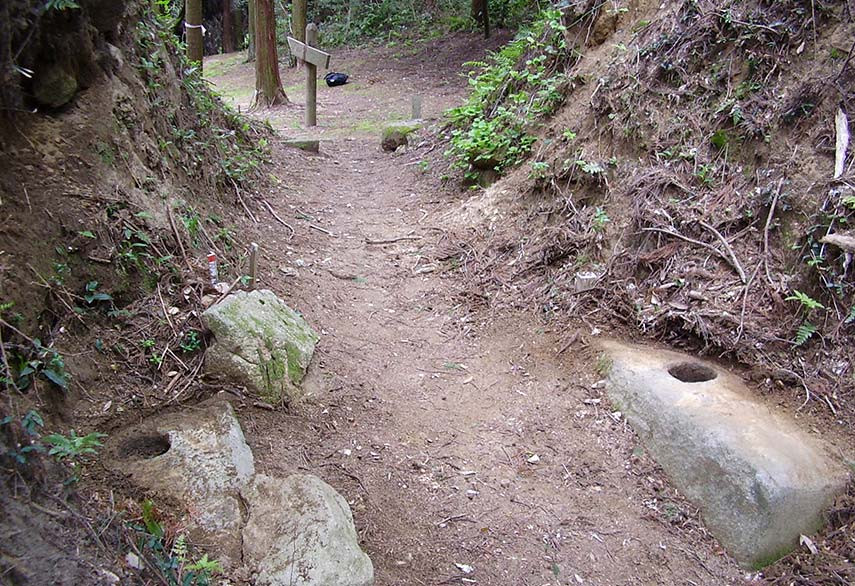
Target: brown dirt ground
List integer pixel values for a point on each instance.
(425, 409)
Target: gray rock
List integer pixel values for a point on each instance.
(54, 86)
(199, 459)
(260, 343)
(759, 481)
(396, 135)
(300, 532)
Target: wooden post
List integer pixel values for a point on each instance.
(417, 108)
(311, 79)
(253, 264)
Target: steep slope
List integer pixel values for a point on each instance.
(690, 172)
(119, 171)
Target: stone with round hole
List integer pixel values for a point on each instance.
(197, 459)
(759, 480)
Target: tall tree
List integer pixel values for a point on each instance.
(193, 26)
(268, 84)
(250, 48)
(298, 20)
(481, 14)
(228, 28)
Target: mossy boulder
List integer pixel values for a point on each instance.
(54, 86)
(260, 343)
(395, 135)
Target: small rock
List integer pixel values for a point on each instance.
(108, 577)
(116, 55)
(134, 561)
(533, 459)
(54, 86)
(465, 568)
(395, 135)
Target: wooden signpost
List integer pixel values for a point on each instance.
(312, 58)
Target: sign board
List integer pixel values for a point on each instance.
(309, 54)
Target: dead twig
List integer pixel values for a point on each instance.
(741, 327)
(7, 378)
(319, 229)
(392, 240)
(178, 236)
(242, 202)
(49, 287)
(229, 290)
(189, 382)
(766, 231)
(165, 312)
(700, 243)
(733, 260)
(266, 204)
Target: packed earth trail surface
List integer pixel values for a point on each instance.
(472, 447)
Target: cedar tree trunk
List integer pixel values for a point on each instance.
(228, 28)
(481, 14)
(250, 48)
(268, 85)
(193, 26)
(298, 20)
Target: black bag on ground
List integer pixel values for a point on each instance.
(333, 79)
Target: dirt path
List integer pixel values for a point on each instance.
(471, 451)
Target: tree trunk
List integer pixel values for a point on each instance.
(228, 28)
(193, 26)
(250, 48)
(239, 28)
(298, 20)
(268, 85)
(481, 14)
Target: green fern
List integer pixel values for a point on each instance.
(179, 549)
(803, 334)
(806, 300)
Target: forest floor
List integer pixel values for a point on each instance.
(472, 447)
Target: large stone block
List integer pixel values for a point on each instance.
(300, 532)
(759, 481)
(260, 343)
(199, 459)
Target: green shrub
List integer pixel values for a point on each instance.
(510, 92)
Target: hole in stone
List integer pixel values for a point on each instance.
(145, 446)
(692, 372)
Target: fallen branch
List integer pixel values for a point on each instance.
(733, 260)
(229, 290)
(392, 240)
(766, 231)
(710, 247)
(276, 216)
(319, 229)
(842, 142)
(178, 236)
(242, 202)
(165, 312)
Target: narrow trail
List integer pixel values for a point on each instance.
(470, 450)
